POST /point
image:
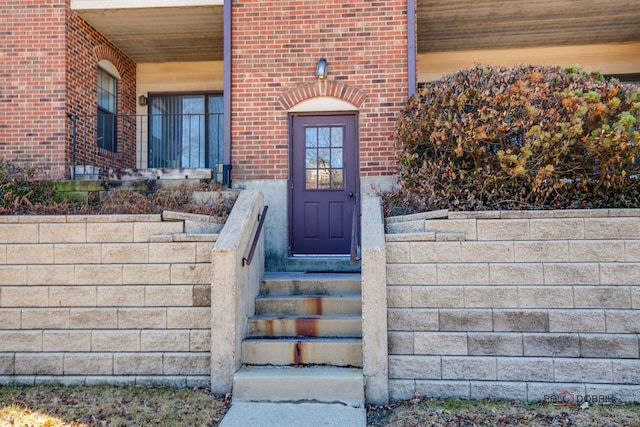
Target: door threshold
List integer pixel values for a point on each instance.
(335, 256)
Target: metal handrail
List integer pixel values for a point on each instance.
(249, 258)
(354, 237)
(192, 141)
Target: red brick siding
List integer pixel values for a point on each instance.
(85, 48)
(331, 88)
(48, 70)
(32, 83)
(275, 47)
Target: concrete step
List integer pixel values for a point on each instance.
(308, 305)
(314, 263)
(307, 351)
(305, 326)
(310, 284)
(325, 384)
(169, 174)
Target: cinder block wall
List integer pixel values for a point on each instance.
(104, 299)
(515, 305)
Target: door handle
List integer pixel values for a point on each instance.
(350, 193)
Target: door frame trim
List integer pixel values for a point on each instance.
(290, 117)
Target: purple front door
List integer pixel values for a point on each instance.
(323, 183)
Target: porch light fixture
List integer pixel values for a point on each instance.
(142, 100)
(321, 69)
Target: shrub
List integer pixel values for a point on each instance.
(519, 138)
(21, 193)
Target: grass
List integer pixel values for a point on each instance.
(57, 406)
(456, 412)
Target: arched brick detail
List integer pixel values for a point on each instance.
(313, 89)
(105, 52)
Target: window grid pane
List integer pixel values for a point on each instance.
(106, 119)
(107, 89)
(187, 131)
(324, 158)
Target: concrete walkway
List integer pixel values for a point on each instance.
(294, 415)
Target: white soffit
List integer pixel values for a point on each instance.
(452, 25)
(322, 103)
(160, 34)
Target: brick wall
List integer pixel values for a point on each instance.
(49, 58)
(32, 83)
(515, 305)
(116, 299)
(48, 52)
(275, 48)
(85, 48)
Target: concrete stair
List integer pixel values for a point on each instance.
(307, 305)
(326, 384)
(266, 326)
(317, 263)
(303, 351)
(297, 283)
(304, 342)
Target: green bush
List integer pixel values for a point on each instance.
(527, 137)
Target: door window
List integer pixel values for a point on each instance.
(323, 158)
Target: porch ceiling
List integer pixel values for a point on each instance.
(502, 24)
(195, 33)
(162, 34)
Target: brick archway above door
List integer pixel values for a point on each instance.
(320, 88)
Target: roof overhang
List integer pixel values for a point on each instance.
(192, 30)
(463, 25)
(158, 30)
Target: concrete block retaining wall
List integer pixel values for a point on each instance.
(514, 305)
(95, 299)
(235, 286)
